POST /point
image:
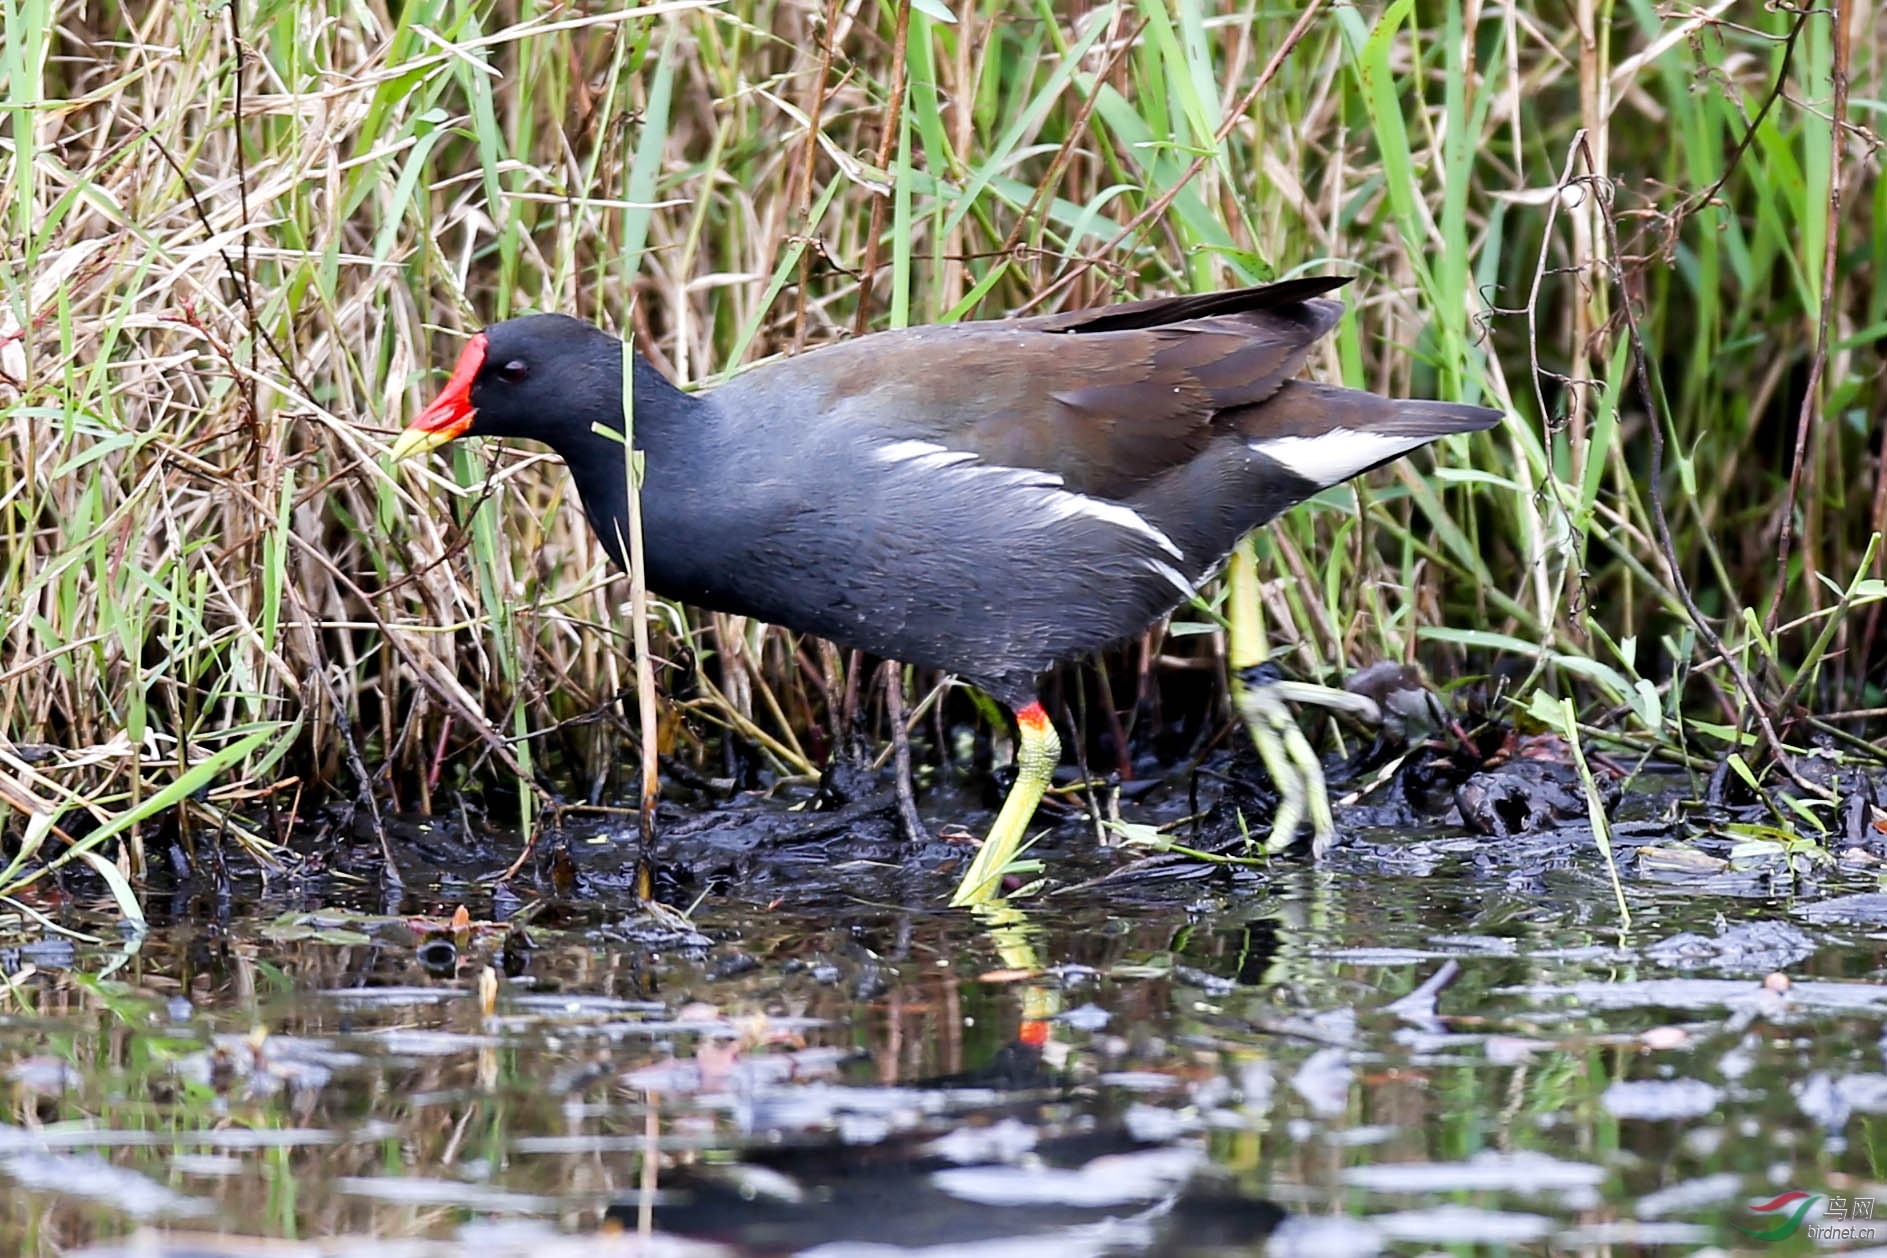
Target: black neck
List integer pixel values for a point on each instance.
(594, 453)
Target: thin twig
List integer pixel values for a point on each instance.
(1647, 396)
(229, 264)
(887, 145)
(1298, 30)
(1045, 186)
(1809, 418)
(1696, 201)
(799, 198)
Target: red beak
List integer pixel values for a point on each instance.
(451, 412)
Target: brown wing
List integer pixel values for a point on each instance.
(1107, 398)
(1128, 316)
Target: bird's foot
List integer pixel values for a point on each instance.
(1288, 756)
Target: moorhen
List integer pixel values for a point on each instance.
(986, 498)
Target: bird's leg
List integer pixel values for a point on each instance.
(1289, 758)
(851, 737)
(1271, 728)
(1038, 751)
(848, 774)
(901, 754)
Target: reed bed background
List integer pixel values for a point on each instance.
(242, 242)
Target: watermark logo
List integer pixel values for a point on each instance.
(1787, 1224)
(1837, 1221)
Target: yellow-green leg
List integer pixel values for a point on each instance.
(1038, 751)
(1290, 759)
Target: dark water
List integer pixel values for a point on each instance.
(1208, 1065)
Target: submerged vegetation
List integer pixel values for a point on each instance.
(243, 240)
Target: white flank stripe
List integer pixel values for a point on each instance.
(922, 453)
(1061, 503)
(1186, 588)
(893, 451)
(1113, 513)
(1336, 455)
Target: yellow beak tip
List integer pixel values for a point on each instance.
(415, 441)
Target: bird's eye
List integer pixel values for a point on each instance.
(513, 372)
